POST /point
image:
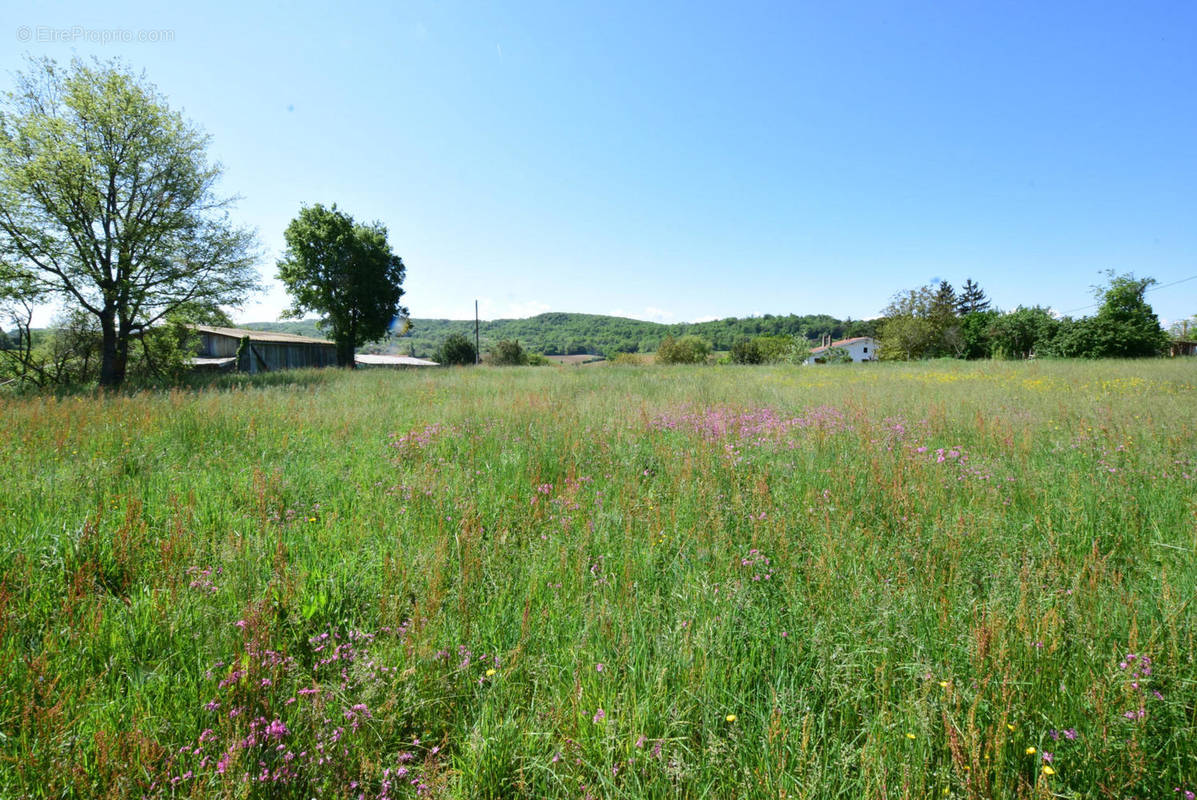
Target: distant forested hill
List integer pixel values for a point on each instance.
(558, 333)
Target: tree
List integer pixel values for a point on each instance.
(686, 350)
(974, 331)
(1127, 325)
(457, 350)
(971, 299)
(508, 353)
(345, 272)
(746, 351)
(906, 331)
(1022, 333)
(1124, 327)
(108, 203)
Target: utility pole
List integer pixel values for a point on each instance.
(477, 347)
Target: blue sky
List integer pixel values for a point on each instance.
(685, 161)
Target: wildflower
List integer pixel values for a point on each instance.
(943, 684)
(599, 667)
(910, 735)
(599, 716)
(1047, 757)
(1030, 751)
(1009, 727)
(730, 717)
(490, 672)
(1047, 770)
(1070, 733)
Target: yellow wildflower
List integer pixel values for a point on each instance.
(1047, 770)
(1030, 751)
(730, 718)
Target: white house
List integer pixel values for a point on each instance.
(860, 348)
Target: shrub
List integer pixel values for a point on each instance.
(457, 350)
(508, 353)
(746, 351)
(686, 350)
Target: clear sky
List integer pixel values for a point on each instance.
(680, 161)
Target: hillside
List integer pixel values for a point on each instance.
(558, 333)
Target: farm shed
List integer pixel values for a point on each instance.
(860, 348)
(1181, 347)
(364, 360)
(265, 351)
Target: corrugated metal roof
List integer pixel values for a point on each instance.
(394, 361)
(261, 336)
(212, 362)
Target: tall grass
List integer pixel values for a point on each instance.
(950, 580)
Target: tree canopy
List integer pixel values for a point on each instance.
(345, 272)
(932, 321)
(108, 204)
(686, 350)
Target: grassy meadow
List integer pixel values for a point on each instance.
(949, 580)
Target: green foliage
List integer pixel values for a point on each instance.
(769, 350)
(69, 354)
(456, 350)
(975, 333)
(110, 206)
(746, 351)
(1124, 327)
(971, 300)
(1022, 333)
(508, 353)
(571, 334)
(908, 331)
(777, 349)
(933, 322)
(686, 350)
(344, 271)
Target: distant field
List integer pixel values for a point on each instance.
(951, 580)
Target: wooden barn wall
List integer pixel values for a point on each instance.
(213, 345)
(271, 356)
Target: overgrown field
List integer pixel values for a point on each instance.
(966, 580)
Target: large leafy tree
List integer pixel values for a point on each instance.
(345, 272)
(1023, 332)
(1124, 327)
(108, 204)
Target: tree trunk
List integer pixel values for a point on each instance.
(345, 353)
(114, 352)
